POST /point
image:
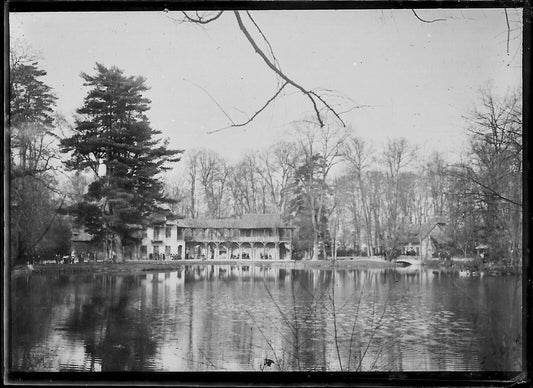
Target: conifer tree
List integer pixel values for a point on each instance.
(114, 139)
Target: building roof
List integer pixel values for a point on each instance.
(246, 221)
(414, 233)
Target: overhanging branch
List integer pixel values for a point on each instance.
(318, 102)
(427, 21)
(199, 19)
(313, 97)
(255, 114)
(508, 29)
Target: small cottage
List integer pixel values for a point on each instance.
(426, 239)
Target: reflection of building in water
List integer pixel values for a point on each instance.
(251, 236)
(201, 272)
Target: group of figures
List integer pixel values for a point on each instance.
(188, 256)
(76, 258)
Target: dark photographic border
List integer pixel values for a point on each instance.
(282, 378)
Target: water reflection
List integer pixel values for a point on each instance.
(231, 317)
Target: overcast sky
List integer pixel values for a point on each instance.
(417, 79)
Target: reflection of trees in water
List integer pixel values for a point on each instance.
(115, 334)
(108, 313)
(307, 324)
(385, 320)
(495, 312)
(463, 324)
(113, 331)
(34, 304)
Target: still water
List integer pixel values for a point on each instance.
(237, 318)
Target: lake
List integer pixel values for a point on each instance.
(253, 318)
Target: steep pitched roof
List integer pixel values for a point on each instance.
(414, 233)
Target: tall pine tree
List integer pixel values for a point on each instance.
(114, 139)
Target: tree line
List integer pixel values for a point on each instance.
(342, 192)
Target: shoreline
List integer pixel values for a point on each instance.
(141, 266)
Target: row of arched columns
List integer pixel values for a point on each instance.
(235, 250)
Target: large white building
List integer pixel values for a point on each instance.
(251, 236)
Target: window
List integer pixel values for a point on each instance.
(156, 233)
(156, 249)
(168, 231)
(167, 250)
(144, 250)
(179, 234)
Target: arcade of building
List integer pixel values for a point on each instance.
(250, 236)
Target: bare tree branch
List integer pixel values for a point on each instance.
(328, 106)
(234, 125)
(508, 29)
(493, 192)
(311, 95)
(356, 107)
(472, 176)
(212, 99)
(273, 64)
(199, 19)
(427, 21)
(266, 41)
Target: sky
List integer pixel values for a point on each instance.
(413, 79)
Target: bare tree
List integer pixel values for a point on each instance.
(319, 150)
(177, 193)
(435, 178)
(357, 153)
(275, 168)
(192, 177)
(213, 172)
(247, 191)
(397, 155)
(492, 172)
(76, 186)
